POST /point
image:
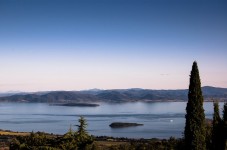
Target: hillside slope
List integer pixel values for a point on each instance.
(118, 95)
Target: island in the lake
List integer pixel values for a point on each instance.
(76, 104)
(124, 124)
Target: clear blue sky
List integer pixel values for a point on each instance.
(109, 44)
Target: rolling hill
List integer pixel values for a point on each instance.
(115, 96)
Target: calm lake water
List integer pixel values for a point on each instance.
(160, 119)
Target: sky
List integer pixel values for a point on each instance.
(111, 44)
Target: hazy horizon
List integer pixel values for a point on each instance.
(70, 45)
(18, 91)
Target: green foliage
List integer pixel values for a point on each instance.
(82, 126)
(195, 132)
(225, 113)
(94, 147)
(15, 144)
(209, 136)
(68, 142)
(35, 141)
(224, 127)
(216, 115)
(79, 140)
(170, 144)
(81, 136)
(217, 128)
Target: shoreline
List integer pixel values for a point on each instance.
(5, 133)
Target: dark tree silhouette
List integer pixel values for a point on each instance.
(217, 126)
(224, 128)
(195, 132)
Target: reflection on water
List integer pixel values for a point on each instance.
(160, 119)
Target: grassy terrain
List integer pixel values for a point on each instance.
(109, 143)
(99, 143)
(6, 136)
(11, 133)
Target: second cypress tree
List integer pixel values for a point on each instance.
(217, 126)
(224, 128)
(195, 132)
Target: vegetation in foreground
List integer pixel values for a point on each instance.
(44, 141)
(70, 141)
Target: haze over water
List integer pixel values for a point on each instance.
(160, 119)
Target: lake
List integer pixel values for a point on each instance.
(160, 119)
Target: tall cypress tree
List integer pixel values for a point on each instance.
(224, 127)
(225, 113)
(217, 126)
(195, 132)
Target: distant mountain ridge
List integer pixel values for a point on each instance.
(115, 96)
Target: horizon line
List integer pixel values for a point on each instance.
(18, 91)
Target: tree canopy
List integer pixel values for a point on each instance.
(195, 133)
